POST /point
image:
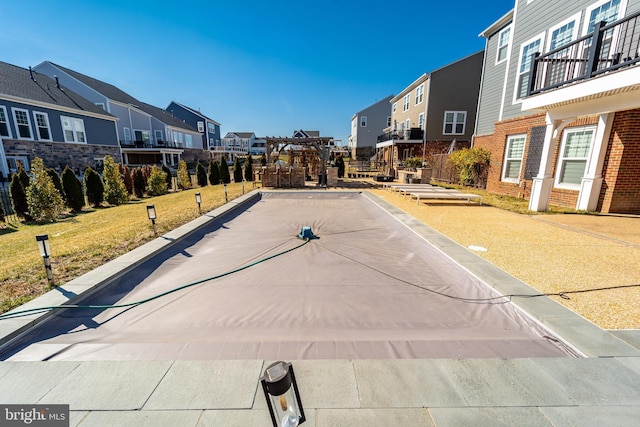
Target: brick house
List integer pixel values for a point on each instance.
(560, 103)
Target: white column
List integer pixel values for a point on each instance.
(592, 180)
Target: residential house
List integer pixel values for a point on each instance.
(432, 114)
(236, 144)
(559, 112)
(366, 126)
(40, 117)
(147, 134)
(209, 128)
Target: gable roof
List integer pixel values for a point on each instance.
(116, 94)
(17, 82)
(193, 111)
(240, 134)
(106, 89)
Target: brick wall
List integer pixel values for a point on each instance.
(57, 155)
(621, 173)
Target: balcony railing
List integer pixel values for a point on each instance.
(413, 134)
(150, 144)
(609, 48)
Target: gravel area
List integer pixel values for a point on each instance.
(551, 253)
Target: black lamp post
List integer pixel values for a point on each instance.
(226, 197)
(199, 201)
(45, 252)
(151, 213)
(281, 392)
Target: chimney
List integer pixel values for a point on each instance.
(57, 82)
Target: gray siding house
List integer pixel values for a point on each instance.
(146, 134)
(432, 114)
(209, 128)
(558, 116)
(366, 126)
(40, 117)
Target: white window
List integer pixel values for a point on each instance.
(407, 124)
(158, 135)
(23, 124)
(127, 136)
(504, 38)
(4, 123)
(454, 122)
(188, 140)
(393, 107)
(212, 128)
(527, 50)
(420, 120)
(513, 158)
(405, 102)
(419, 93)
(73, 129)
(388, 121)
(42, 125)
(563, 33)
(605, 10)
(572, 161)
(363, 121)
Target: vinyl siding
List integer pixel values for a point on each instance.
(492, 86)
(536, 18)
(454, 88)
(376, 122)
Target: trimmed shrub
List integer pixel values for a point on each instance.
(73, 189)
(184, 179)
(24, 178)
(201, 175)
(157, 182)
(93, 187)
(128, 180)
(237, 170)
(55, 178)
(225, 178)
(115, 192)
(19, 196)
(248, 169)
(139, 183)
(214, 173)
(263, 160)
(44, 200)
(167, 171)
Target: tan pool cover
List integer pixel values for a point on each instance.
(356, 292)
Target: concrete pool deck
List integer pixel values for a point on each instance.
(601, 389)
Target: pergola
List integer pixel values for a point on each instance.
(314, 145)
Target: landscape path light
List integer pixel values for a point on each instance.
(281, 392)
(45, 253)
(226, 196)
(151, 213)
(199, 201)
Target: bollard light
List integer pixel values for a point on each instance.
(151, 213)
(281, 392)
(199, 201)
(226, 197)
(45, 253)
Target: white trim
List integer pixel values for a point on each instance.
(561, 157)
(6, 117)
(506, 159)
(454, 123)
(575, 19)
(35, 119)
(516, 92)
(15, 123)
(508, 45)
(55, 107)
(621, 13)
(406, 102)
(420, 94)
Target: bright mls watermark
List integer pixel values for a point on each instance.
(34, 415)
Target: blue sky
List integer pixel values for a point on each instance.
(254, 66)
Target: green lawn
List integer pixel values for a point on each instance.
(82, 242)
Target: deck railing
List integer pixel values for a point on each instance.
(609, 48)
(405, 134)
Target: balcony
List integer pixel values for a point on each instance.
(407, 135)
(149, 144)
(611, 47)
